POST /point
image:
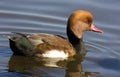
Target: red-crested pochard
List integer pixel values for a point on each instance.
(53, 46)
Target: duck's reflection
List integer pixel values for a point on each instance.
(74, 68)
(36, 67)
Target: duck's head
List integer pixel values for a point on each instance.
(79, 22)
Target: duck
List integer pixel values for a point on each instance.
(54, 46)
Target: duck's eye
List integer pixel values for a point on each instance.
(88, 21)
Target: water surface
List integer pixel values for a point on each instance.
(50, 16)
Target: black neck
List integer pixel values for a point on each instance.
(76, 42)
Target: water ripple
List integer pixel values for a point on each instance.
(50, 16)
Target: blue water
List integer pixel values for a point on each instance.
(50, 16)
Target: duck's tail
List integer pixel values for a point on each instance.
(20, 34)
(13, 35)
(19, 43)
(9, 36)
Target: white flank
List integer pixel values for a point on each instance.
(55, 54)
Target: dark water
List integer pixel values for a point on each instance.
(50, 16)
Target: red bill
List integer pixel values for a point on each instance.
(94, 29)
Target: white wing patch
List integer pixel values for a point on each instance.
(55, 54)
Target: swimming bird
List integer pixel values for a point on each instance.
(54, 46)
